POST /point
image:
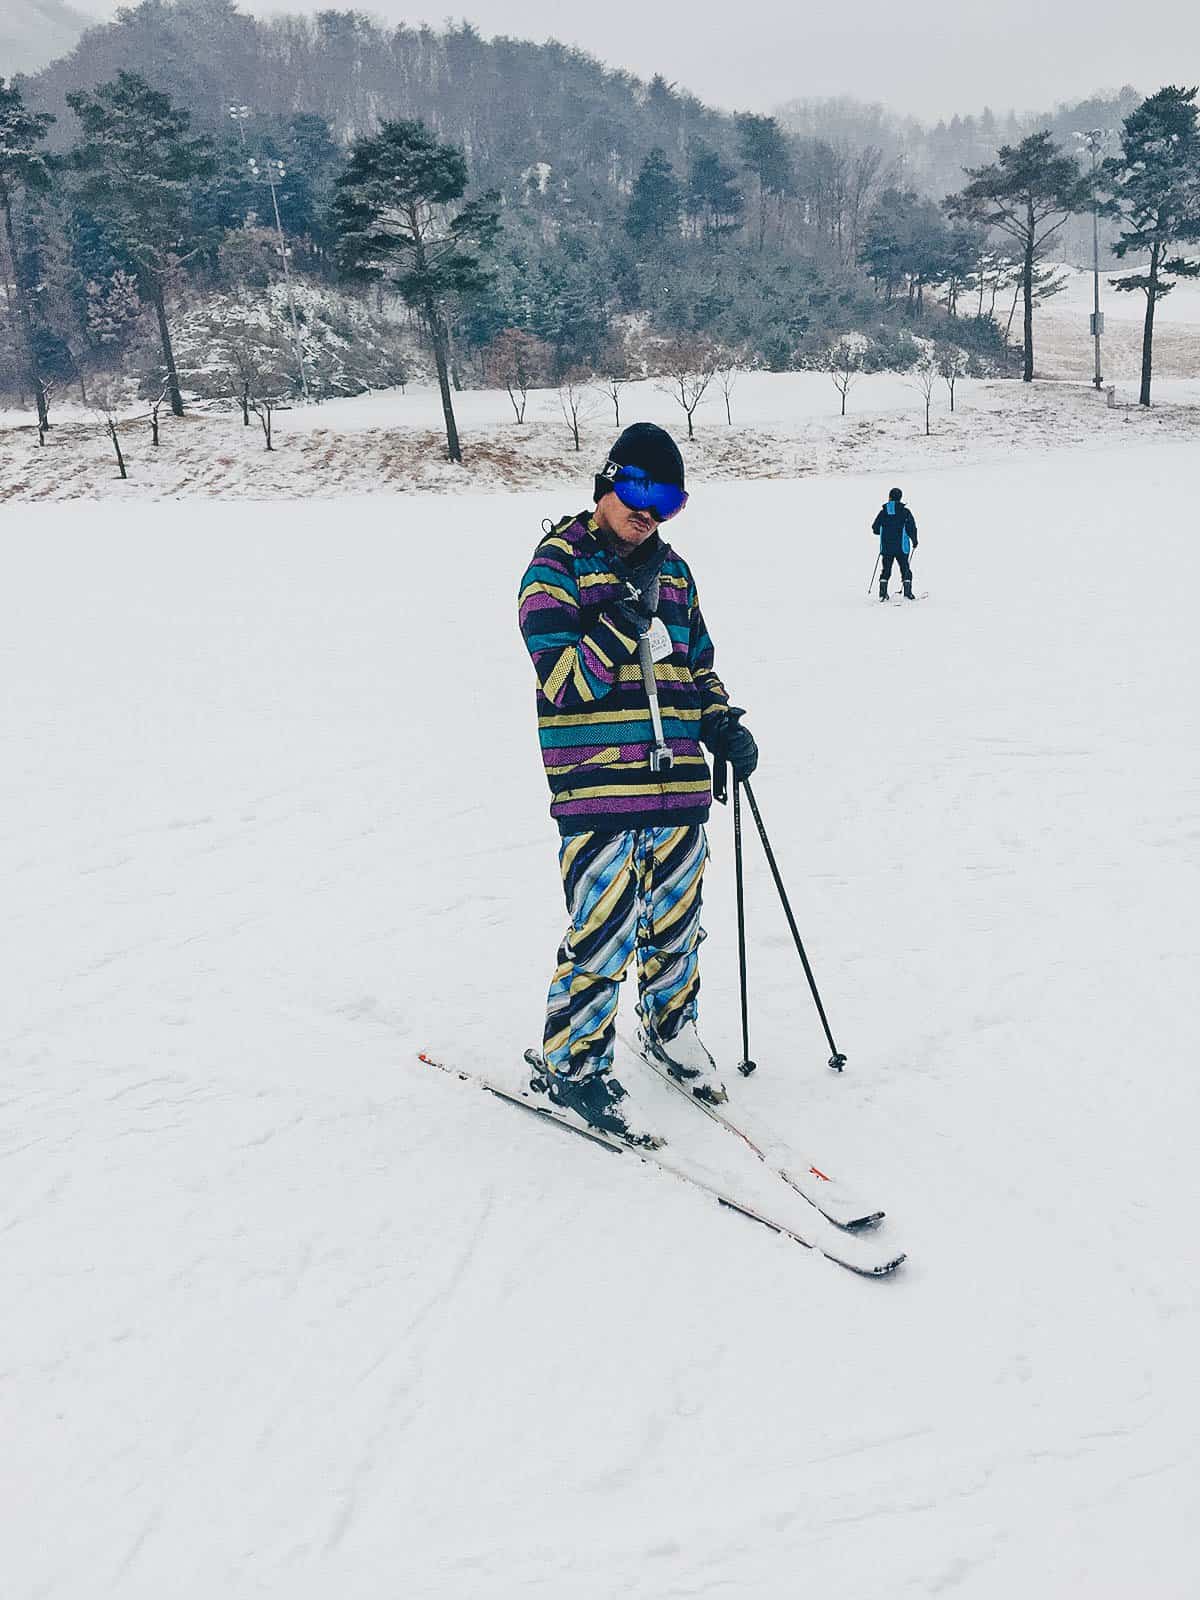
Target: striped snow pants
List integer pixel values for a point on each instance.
(636, 892)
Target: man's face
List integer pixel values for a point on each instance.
(628, 527)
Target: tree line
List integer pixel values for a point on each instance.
(728, 240)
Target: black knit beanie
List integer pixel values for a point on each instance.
(649, 447)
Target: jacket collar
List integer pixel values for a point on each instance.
(654, 550)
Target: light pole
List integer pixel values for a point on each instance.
(240, 115)
(1093, 141)
(273, 174)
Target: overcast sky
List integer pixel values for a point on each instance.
(926, 59)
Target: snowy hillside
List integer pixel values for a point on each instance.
(35, 32)
(289, 1315)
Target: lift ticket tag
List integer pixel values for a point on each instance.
(660, 640)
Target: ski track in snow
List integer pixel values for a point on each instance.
(289, 1314)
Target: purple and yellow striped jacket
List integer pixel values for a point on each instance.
(593, 713)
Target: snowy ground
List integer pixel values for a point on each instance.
(785, 425)
(289, 1315)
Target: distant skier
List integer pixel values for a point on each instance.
(626, 695)
(897, 530)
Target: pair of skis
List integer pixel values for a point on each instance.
(839, 1230)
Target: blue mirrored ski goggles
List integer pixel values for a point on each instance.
(634, 489)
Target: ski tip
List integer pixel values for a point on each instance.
(886, 1268)
(881, 1269)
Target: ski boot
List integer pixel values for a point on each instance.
(687, 1060)
(883, 594)
(908, 594)
(598, 1101)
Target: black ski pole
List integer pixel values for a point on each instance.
(874, 570)
(745, 1066)
(837, 1060)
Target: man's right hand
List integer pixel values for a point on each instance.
(635, 609)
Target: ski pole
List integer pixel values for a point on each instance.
(745, 1066)
(874, 570)
(837, 1060)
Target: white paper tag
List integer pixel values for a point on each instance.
(661, 645)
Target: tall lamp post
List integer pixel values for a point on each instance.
(272, 173)
(239, 115)
(1093, 141)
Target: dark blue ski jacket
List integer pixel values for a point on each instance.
(896, 527)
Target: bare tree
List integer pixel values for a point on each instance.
(614, 364)
(953, 363)
(517, 362)
(686, 366)
(256, 365)
(866, 176)
(155, 408)
(45, 391)
(727, 378)
(263, 407)
(843, 363)
(575, 399)
(105, 402)
(925, 377)
(243, 371)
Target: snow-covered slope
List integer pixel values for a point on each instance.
(34, 32)
(288, 1315)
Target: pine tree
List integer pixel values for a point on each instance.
(392, 221)
(24, 170)
(654, 204)
(1028, 193)
(764, 152)
(713, 195)
(1154, 188)
(139, 174)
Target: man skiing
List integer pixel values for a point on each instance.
(626, 695)
(897, 530)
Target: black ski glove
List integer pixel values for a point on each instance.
(634, 611)
(731, 744)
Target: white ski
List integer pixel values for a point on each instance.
(855, 1254)
(811, 1182)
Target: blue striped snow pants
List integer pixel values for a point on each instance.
(632, 892)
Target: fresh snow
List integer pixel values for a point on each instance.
(289, 1314)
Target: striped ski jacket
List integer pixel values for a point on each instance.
(593, 712)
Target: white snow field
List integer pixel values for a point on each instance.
(288, 1314)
